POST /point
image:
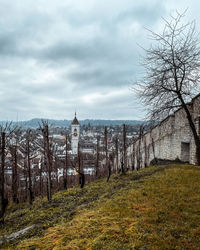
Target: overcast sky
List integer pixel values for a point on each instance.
(65, 55)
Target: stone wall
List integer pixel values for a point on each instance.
(170, 140)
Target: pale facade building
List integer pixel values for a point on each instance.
(171, 140)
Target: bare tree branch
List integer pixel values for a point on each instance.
(172, 71)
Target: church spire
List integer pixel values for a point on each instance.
(75, 121)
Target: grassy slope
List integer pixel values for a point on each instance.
(155, 208)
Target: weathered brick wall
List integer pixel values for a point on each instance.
(171, 139)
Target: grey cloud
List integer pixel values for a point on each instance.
(81, 51)
(56, 53)
(101, 77)
(145, 13)
(7, 44)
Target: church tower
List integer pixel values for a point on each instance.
(75, 132)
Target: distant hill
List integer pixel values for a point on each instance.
(34, 123)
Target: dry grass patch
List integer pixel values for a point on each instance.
(160, 212)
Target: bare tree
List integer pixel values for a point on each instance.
(65, 169)
(124, 168)
(47, 157)
(15, 184)
(106, 152)
(172, 65)
(3, 200)
(80, 168)
(28, 147)
(76, 164)
(30, 190)
(117, 153)
(6, 131)
(97, 158)
(133, 154)
(139, 150)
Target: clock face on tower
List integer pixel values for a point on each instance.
(75, 132)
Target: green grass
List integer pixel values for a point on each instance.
(154, 208)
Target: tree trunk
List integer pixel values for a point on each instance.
(15, 176)
(4, 201)
(82, 180)
(80, 170)
(26, 180)
(29, 174)
(109, 171)
(41, 179)
(124, 149)
(66, 166)
(116, 153)
(46, 131)
(97, 158)
(56, 170)
(106, 150)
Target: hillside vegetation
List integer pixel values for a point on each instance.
(154, 208)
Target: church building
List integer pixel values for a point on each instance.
(75, 135)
